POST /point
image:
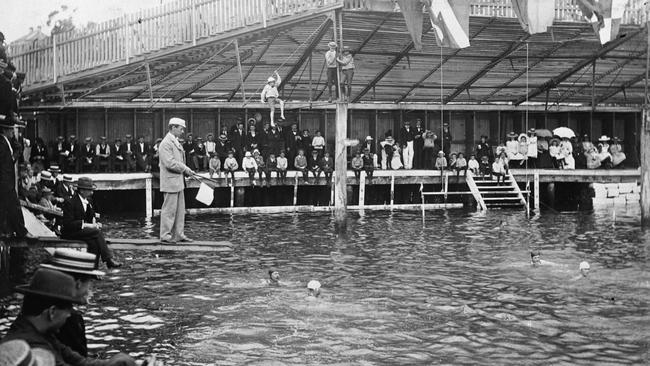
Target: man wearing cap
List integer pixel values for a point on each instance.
(62, 150)
(73, 159)
(117, 157)
(128, 153)
(88, 156)
(103, 156)
(332, 74)
(143, 155)
(79, 223)
(65, 189)
(47, 304)
(347, 68)
(446, 139)
(11, 216)
(81, 266)
(172, 184)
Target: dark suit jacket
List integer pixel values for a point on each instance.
(405, 136)
(74, 215)
(238, 141)
(7, 173)
(139, 154)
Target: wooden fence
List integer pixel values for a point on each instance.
(181, 22)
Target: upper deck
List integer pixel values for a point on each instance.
(186, 51)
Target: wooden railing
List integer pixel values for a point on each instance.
(565, 10)
(182, 22)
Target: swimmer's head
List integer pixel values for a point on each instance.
(274, 275)
(535, 257)
(584, 268)
(314, 288)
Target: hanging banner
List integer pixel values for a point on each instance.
(535, 16)
(450, 22)
(413, 15)
(605, 17)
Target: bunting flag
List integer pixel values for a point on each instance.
(535, 16)
(450, 22)
(412, 11)
(605, 16)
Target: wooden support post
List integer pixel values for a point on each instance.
(54, 61)
(332, 189)
(127, 39)
(362, 189)
(645, 167)
(295, 190)
(232, 193)
(341, 163)
(146, 65)
(241, 74)
(550, 190)
(148, 198)
(264, 16)
(392, 191)
(193, 22)
(536, 192)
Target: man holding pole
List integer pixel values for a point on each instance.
(172, 184)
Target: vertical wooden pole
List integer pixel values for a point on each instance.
(645, 138)
(536, 192)
(341, 163)
(148, 198)
(241, 75)
(232, 192)
(362, 189)
(392, 190)
(127, 39)
(264, 16)
(193, 21)
(54, 61)
(295, 190)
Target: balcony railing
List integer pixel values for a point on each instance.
(565, 10)
(183, 22)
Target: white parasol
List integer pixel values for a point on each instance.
(564, 132)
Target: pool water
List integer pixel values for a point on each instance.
(454, 288)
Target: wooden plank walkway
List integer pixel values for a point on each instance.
(121, 244)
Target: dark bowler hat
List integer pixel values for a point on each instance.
(52, 284)
(86, 183)
(74, 262)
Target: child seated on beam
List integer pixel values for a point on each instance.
(261, 165)
(314, 165)
(327, 164)
(214, 165)
(270, 95)
(230, 165)
(249, 165)
(271, 166)
(357, 164)
(473, 165)
(283, 165)
(300, 163)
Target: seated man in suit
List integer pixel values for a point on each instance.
(87, 156)
(79, 223)
(143, 156)
(102, 156)
(117, 157)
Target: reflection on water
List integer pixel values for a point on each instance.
(456, 290)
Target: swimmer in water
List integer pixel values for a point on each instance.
(584, 271)
(314, 288)
(536, 260)
(274, 278)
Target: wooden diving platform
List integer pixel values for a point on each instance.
(121, 244)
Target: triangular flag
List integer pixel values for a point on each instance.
(605, 17)
(450, 22)
(535, 16)
(205, 194)
(413, 15)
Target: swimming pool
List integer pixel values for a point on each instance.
(455, 288)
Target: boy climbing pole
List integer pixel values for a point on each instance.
(271, 95)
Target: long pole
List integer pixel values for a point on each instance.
(645, 137)
(341, 165)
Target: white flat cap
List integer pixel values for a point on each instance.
(177, 122)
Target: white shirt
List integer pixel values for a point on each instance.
(84, 203)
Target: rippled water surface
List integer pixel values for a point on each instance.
(456, 288)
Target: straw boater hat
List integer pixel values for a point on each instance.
(67, 179)
(175, 121)
(88, 139)
(603, 138)
(223, 137)
(55, 169)
(45, 175)
(512, 134)
(531, 130)
(52, 284)
(369, 138)
(248, 154)
(331, 45)
(18, 353)
(74, 262)
(85, 183)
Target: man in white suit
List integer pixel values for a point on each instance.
(172, 184)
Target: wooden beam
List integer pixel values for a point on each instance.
(621, 88)
(513, 47)
(205, 81)
(409, 46)
(372, 33)
(315, 40)
(553, 82)
(444, 61)
(255, 63)
(541, 58)
(591, 83)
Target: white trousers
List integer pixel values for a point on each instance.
(172, 216)
(407, 155)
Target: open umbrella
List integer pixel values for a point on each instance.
(543, 133)
(563, 132)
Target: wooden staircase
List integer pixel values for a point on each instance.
(489, 195)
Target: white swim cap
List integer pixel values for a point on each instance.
(584, 265)
(313, 285)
